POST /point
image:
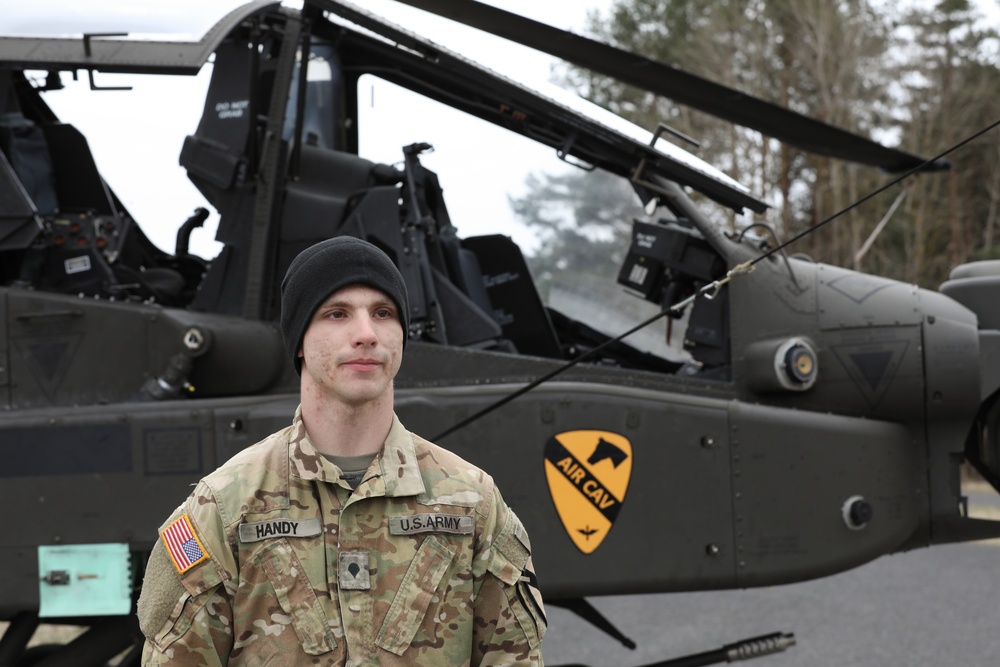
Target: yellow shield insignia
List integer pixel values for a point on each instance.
(588, 474)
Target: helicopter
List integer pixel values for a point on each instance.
(817, 421)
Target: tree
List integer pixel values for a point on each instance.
(814, 56)
(952, 94)
(696, 36)
(583, 221)
(922, 74)
(833, 61)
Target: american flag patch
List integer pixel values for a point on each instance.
(183, 545)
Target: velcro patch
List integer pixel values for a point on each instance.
(414, 524)
(183, 545)
(354, 572)
(261, 530)
(520, 533)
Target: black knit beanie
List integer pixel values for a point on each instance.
(322, 269)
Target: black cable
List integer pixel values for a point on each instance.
(545, 378)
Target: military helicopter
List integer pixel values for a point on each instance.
(817, 423)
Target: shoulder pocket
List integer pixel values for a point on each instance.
(413, 597)
(170, 602)
(510, 550)
(531, 611)
(511, 564)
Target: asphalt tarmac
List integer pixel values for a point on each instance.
(930, 607)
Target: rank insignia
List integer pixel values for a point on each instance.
(183, 545)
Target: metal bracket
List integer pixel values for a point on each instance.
(87, 36)
(662, 127)
(563, 154)
(57, 578)
(636, 177)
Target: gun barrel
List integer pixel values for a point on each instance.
(746, 649)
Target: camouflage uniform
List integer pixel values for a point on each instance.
(423, 564)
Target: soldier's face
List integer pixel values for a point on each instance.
(353, 346)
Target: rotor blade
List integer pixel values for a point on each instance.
(770, 119)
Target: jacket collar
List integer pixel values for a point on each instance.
(394, 472)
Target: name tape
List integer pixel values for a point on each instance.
(261, 530)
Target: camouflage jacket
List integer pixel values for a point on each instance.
(274, 560)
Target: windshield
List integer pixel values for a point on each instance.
(135, 136)
(484, 171)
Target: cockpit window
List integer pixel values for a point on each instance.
(482, 167)
(479, 164)
(321, 116)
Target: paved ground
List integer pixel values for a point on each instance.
(926, 608)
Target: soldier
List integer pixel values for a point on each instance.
(343, 539)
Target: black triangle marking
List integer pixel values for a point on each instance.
(48, 356)
(872, 366)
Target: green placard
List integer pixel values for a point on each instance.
(84, 580)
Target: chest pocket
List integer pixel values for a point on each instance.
(296, 597)
(413, 597)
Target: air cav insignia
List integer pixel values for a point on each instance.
(588, 474)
